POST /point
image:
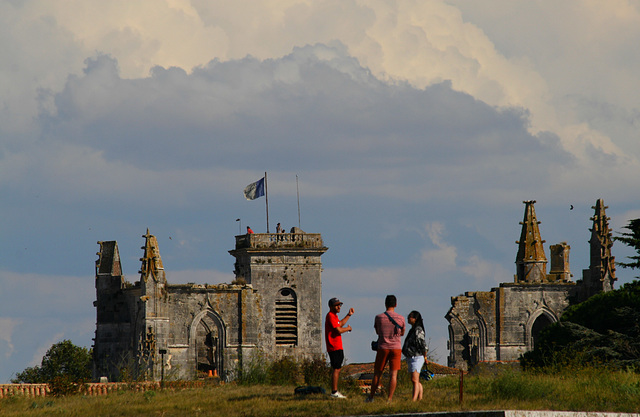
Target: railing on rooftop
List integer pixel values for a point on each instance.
(279, 240)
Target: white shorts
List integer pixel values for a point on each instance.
(415, 363)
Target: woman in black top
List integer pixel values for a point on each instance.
(415, 350)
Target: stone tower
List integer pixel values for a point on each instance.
(113, 315)
(285, 269)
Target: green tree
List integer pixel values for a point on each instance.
(62, 360)
(631, 239)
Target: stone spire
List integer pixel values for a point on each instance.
(531, 263)
(152, 322)
(602, 266)
(151, 260)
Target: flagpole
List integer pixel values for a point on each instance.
(298, 195)
(266, 198)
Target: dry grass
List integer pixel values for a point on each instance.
(582, 390)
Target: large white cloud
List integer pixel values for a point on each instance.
(583, 51)
(556, 61)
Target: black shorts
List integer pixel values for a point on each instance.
(336, 358)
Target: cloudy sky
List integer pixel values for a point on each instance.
(416, 128)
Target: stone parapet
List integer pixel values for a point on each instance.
(279, 240)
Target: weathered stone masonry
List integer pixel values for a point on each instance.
(501, 324)
(272, 308)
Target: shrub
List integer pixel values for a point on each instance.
(284, 371)
(149, 395)
(255, 371)
(63, 385)
(316, 372)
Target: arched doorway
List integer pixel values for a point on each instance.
(209, 346)
(541, 322)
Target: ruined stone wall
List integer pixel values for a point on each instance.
(500, 325)
(472, 328)
(520, 306)
(230, 312)
(462, 322)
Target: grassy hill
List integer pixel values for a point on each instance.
(586, 389)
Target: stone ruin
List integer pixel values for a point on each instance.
(150, 329)
(501, 324)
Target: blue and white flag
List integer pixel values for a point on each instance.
(254, 190)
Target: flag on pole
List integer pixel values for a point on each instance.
(254, 190)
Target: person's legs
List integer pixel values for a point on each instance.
(393, 381)
(381, 361)
(394, 366)
(374, 384)
(335, 375)
(417, 386)
(336, 358)
(414, 365)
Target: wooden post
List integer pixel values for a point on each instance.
(461, 384)
(162, 352)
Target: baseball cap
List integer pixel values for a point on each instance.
(334, 301)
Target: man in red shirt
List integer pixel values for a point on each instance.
(333, 329)
(390, 329)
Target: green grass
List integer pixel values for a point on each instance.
(576, 390)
